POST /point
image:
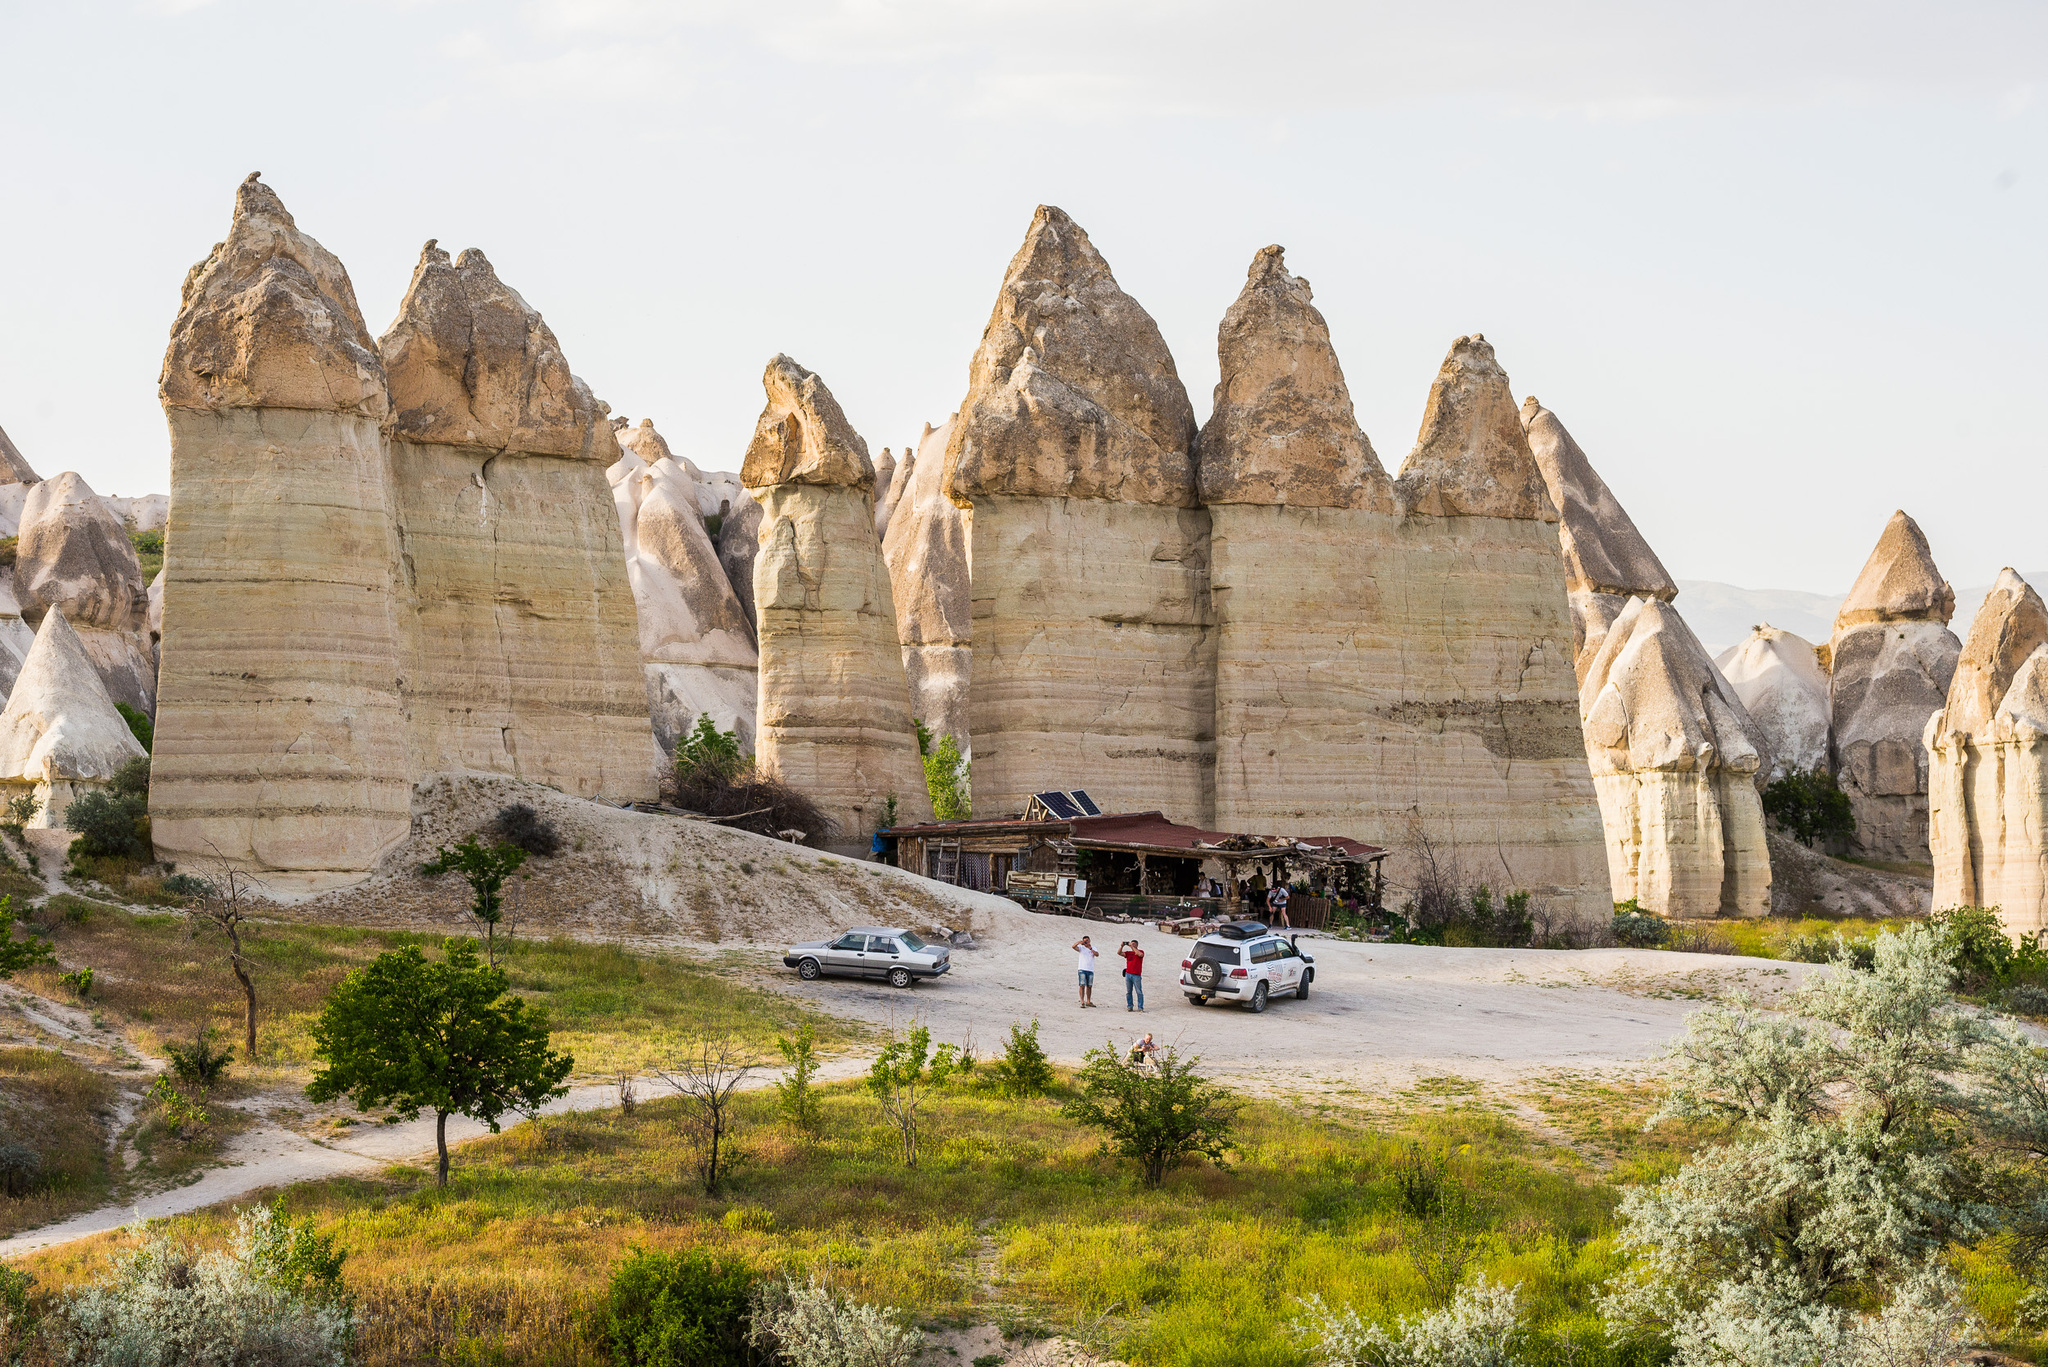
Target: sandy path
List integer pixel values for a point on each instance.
(269, 1156)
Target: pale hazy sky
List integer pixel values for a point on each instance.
(1779, 266)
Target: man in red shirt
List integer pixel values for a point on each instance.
(1134, 974)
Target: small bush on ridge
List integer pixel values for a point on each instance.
(520, 825)
(200, 1062)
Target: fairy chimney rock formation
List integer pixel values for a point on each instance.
(1892, 657)
(14, 467)
(521, 643)
(926, 547)
(282, 546)
(696, 639)
(1074, 452)
(1988, 753)
(60, 736)
(330, 595)
(1778, 677)
(833, 715)
(74, 557)
(1606, 560)
(1674, 757)
(1490, 753)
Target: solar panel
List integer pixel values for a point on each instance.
(1060, 805)
(1085, 803)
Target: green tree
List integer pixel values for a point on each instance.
(27, 952)
(485, 868)
(945, 775)
(140, 724)
(1159, 1114)
(441, 1037)
(1975, 941)
(903, 1078)
(1023, 1070)
(796, 1095)
(1809, 804)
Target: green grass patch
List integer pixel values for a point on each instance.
(165, 976)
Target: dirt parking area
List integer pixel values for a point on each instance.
(1377, 1019)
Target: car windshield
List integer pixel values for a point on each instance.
(1219, 954)
(911, 942)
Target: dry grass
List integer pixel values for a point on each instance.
(161, 977)
(60, 1108)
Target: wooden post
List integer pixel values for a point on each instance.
(1142, 889)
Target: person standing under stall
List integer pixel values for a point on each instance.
(1277, 900)
(1134, 974)
(1087, 953)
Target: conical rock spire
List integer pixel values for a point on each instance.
(1283, 430)
(1072, 393)
(1471, 458)
(2010, 626)
(471, 363)
(1899, 582)
(269, 320)
(59, 724)
(1603, 551)
(802, 436)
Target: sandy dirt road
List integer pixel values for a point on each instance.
(1377, 1018)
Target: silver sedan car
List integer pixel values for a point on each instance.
(889, 952)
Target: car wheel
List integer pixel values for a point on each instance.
(1258, 998)
(808, 970)
(899, 977)
(1301, 992)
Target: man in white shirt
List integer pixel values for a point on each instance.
(1087, 953)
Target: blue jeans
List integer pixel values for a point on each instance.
(1134, 983)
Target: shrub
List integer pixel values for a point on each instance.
(520, 825)
(485, 868)
(21, 1167)
(1160, 1115)
(132, 780)
(140, 724)
(1481, 1328)
(903, 1078)
(946, 775)
(79, 981)
(188, 886)
(1974, 940)
(679, 1309)
(170, 1304)
(109, 825)
(21, 810)
(753, 801)
(200, 1062)
(806, 1325)
(182, 1116)
(1023, 1070)
(2025, 999)
(1635, 928)
(1809, 804)
(706, 748)
(796, 1096)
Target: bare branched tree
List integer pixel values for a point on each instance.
(1438, 894)
(225, 905)
(707, 1073)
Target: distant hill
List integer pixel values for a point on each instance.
(1722, 614)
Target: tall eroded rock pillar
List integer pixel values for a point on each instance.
(1483, 743)
(281, 739)
(1301, 552)
(522, 643)
(834, 710)
(1675, 758)
(1891, 660)
(1093, 637)
(1988, 764)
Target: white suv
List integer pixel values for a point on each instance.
(1245, 962)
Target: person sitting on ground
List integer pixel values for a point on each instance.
(1087, 953)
